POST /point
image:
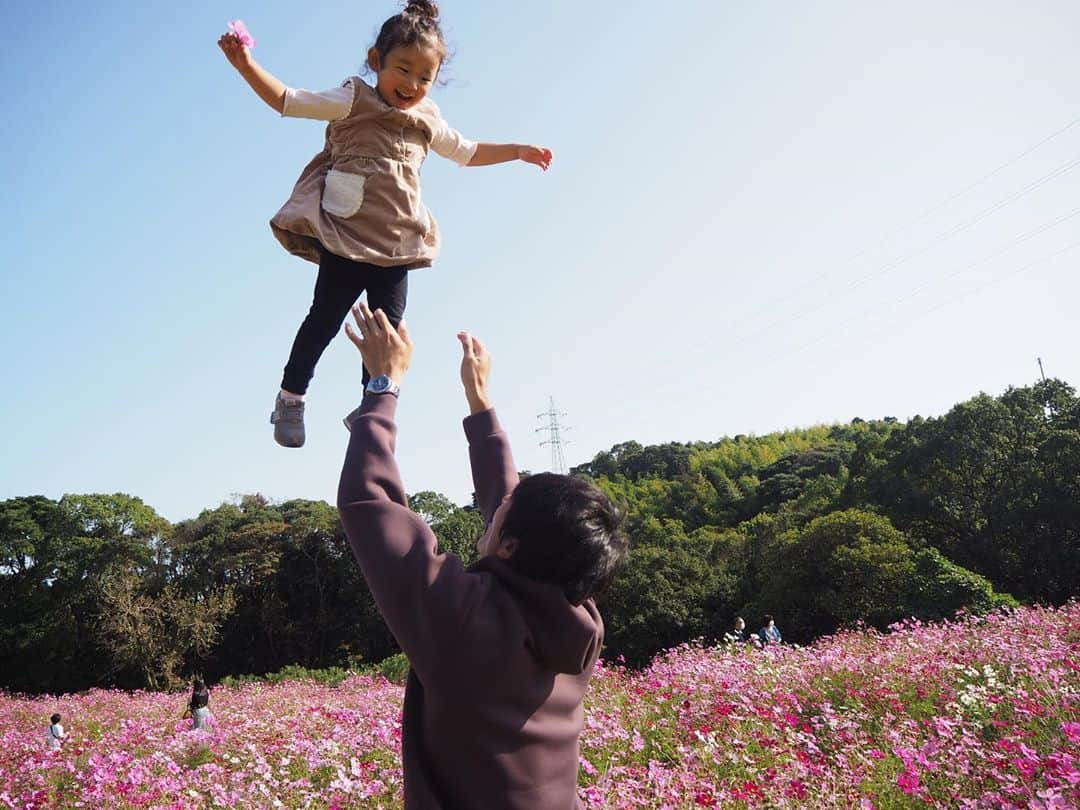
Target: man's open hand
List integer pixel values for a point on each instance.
(475, 370)
(385, 350)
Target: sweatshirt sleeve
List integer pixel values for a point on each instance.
(493, 471)
(423, 596)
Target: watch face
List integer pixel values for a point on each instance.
(380, 384)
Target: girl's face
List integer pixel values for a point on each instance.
(407, 73)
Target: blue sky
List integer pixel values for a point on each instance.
(754, 221)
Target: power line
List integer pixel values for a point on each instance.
(940, 239)
(806, 345)
(1005, 248)
(916, 220)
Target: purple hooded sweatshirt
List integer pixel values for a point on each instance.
(500, 663)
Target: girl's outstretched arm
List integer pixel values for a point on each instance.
(265, 84)
(488, 154)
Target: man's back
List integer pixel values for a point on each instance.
(499, 725)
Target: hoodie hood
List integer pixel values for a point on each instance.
(565, 637)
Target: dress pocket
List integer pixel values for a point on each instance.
(343, 193)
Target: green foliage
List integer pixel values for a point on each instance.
(328, 676)
(854, 566)
(458, 532)
(395, 668)
(665, 594)
(431, 506)
(156, 632)
(995, 486)
(923, 519)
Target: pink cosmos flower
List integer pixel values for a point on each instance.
(246, 39)
(908, 782)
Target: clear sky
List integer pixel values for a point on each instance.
(759, 216)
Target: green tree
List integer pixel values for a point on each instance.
(155, 633)
(854, 566)
(665, 595)
(995, 486)
(458, 532)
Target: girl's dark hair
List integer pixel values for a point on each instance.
(200, 695)
(568, 534)
(417, 24)
(54, 719)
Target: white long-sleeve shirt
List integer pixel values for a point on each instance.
(335, 104)
(54, 735)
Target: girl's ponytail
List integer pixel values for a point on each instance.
(418, 23)
(422, 8)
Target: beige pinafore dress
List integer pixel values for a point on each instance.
(359, 198)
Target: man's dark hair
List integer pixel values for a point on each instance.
(568, 534)
(54, 719)
(768, 618)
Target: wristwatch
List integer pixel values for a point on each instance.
(382, 385)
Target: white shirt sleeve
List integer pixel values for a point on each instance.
(329, 105)
(452, 145)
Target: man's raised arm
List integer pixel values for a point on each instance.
(424, 596)
(493, 470)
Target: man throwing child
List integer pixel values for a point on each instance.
(501, 652)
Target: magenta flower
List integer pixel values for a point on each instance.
(908, 782)
(238, 28)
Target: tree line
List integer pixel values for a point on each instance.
(871, 521)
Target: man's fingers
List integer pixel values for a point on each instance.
(369, 317)
(467, 344)
(358, 316)
(371, 324)
(355, 338)
(403, 332)
(479, 349)
(382, 323)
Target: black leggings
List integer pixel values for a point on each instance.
(339, 284)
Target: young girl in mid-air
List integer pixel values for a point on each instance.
(356, 209)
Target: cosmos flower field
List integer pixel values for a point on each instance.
(972, 713)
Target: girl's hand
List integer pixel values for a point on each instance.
(536, 155)
(235, 51)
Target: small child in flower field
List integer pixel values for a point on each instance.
(54, 734)
(198, 707)
(356, 210)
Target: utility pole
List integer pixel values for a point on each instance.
(1049, 410)
(554, 438)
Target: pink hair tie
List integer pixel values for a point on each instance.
(246, 39)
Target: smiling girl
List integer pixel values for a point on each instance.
(356, 210)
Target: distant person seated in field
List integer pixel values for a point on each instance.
(54, 734)
(199, 705)
(738, 632)
(769, 632)
(501, 652)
